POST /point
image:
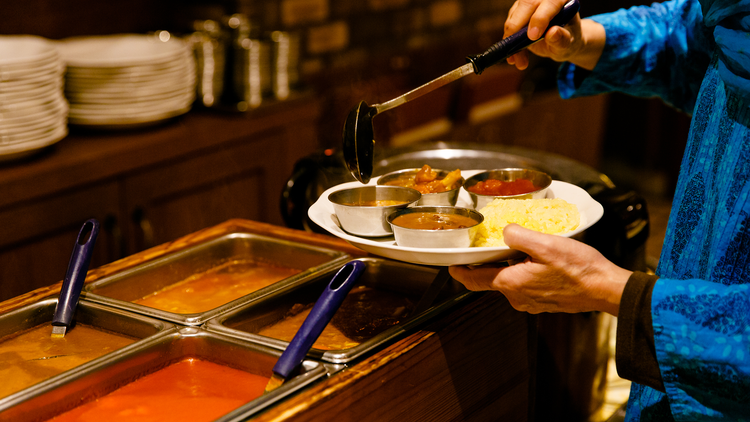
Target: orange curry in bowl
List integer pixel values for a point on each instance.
(426, 180)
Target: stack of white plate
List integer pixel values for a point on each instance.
(127, 79)
(33, 110)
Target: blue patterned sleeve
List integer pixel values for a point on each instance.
(655, 51)
(703, 332)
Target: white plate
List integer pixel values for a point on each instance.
(13, 151)
(322, 214)
(119, 50)
(125, 122)
(20, 50)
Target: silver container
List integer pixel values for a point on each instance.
(369, 221)
(285, 54)
(540, 179)
(91, 314)
(422, 238)
(447, 198)
(406, 280)
(121, 289)
(169, 347)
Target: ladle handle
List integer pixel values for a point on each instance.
(511, 45)
(322, 312)
(76, 274)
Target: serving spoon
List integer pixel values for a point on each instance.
(359, 139)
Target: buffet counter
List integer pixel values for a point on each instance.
(472, 361)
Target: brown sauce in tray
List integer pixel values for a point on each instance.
(365, 313)
(33, 356)
(189, 390)
(215, 287)
(433, 221)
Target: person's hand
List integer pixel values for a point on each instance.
(579, 42)
(559, 275)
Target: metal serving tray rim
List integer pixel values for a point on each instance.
(335, 356)
(317, 372)
(345, 355)
(338, 258)
(43, 386)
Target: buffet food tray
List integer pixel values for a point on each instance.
(121, 289)
(41, 313)
(169, 347)
(407, 280)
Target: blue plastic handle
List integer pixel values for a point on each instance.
(325, 307)
(518, 41)
(77, 268)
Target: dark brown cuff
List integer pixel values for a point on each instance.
(635, 354)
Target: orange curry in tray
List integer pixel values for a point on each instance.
(217, 286)
(32, 356)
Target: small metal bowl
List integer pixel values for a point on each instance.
(447, 198)
(540, 180)
(369, 221)
(425, 238)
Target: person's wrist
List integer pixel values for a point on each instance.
(613, 285)
(593, 37)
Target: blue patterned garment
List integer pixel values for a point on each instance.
(695, 56)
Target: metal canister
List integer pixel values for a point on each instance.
(284, 62)
(247, 58)
(210, 56)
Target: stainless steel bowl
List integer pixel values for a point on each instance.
(540, 179)
(447, 198)
(369, 221)
(421, 238)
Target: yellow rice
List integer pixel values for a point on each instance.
(552, 216)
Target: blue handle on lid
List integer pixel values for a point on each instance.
(325, 307)
(518, 41)
(77, 268)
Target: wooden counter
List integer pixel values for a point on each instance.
(476, 363)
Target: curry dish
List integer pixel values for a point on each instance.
(433, 221)
(365, 313)
(189, 390)
(33, 356)
(378, 203)
(503, 188)
(426, 181)
(217, 286)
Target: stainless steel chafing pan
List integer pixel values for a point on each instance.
(407, 280)
(169, 347)
(97, 316)
(119, 290)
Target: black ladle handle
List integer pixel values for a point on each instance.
(77, 268)
(511, 45)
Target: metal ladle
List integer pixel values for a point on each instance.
(359, 139)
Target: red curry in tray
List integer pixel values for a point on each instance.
(189, 390)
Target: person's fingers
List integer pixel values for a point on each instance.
(519, 15)
(543, 14)
(533, 243)
(520, 60)
(475, 278)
